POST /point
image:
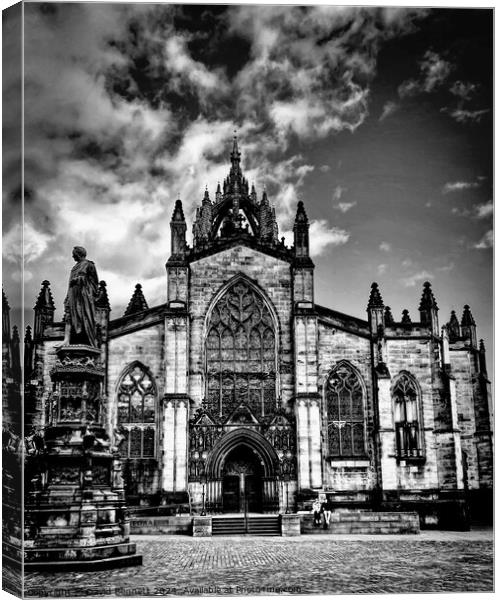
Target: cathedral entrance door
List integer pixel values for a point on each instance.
(242, 481)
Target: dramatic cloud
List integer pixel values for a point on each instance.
(459, 186)
(412, 280)
(388, 109)
(486, 241)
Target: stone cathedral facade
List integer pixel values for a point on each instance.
(239, 391)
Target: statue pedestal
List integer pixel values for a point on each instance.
(76, 517)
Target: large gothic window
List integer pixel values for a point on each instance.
(406, 417)
(136, 413)
(345, 413)
(241, 353)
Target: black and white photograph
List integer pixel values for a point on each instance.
(247, 309)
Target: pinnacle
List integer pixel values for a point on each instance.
(467, 318)
(405, 319)
(428, 301)
(102, 296)
(375, 300)
(45, 299)
(137, 302)
(178, 214)
(389, 319)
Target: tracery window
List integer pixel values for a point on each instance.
(241, 353)
(406, 417)
(345, 413)
(136, 413)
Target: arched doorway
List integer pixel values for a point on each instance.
(242, 481)
(243, 469)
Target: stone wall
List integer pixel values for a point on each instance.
(337, 345)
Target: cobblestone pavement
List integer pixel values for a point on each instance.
(182, 566)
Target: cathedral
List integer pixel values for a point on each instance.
(240, 393)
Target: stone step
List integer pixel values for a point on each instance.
(269, 525)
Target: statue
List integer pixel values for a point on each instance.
(79, 305)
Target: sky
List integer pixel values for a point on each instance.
(379, 119)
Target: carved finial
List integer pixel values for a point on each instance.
(137, 302)
(388, 318)
(45, 299)
(453, 327)
(467, 318)
(15, 334)
(405, 319)
(428, 301)
(102, 300)
(27, 335)
(375, 300)
(301, 216)
(178, 214)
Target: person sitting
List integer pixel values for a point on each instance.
(316, 513)
(327, 514)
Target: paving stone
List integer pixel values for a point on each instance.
(180, 566)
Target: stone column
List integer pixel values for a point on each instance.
(181, 440)
(168, 446)
(304, 475)
(388, 465)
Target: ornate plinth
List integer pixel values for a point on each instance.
(76, 516)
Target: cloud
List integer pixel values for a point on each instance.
(345, 206)
(486, 241)
(389, 109)
(381, 269)
(463, 90)
(385, 247)
(478, 211)
(24, 243)
(126, 108)
(434, 71)
(407, 262)
(338, 192)
(459, 186)
(324, 168)
(467, 116)
(485, 210)
(446, 268)
(412, 280)
(322, 236)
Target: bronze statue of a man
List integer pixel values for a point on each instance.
(79, 305)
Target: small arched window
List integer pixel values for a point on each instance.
(345, 413)
(137, 413)
(407, 417)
